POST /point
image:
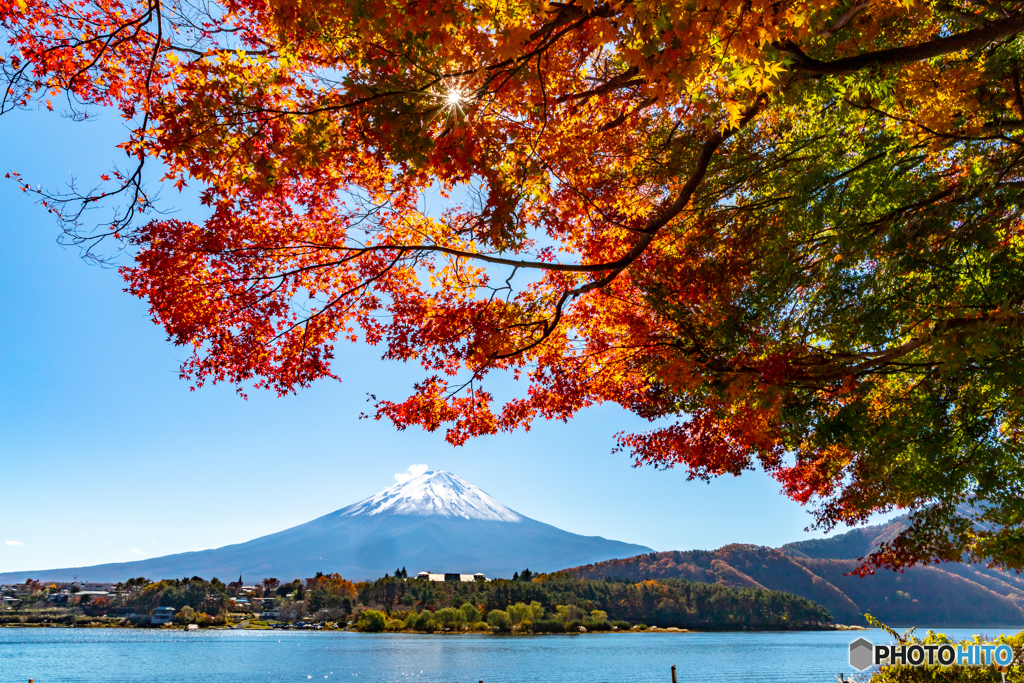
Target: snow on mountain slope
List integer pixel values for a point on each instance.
(433, 522)
(433, 493)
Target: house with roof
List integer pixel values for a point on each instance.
(162, 615)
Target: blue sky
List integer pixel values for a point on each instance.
(107, 456)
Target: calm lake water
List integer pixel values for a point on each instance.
(50, 655)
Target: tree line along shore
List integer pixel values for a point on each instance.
(528, 603)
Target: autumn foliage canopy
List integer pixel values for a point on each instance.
(787, 232)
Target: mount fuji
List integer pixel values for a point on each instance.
(433, 522)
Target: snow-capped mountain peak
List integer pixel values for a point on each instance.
(434, 493)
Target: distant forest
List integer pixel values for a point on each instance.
(663, 603)
(528, 603)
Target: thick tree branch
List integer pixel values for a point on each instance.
(996, 30)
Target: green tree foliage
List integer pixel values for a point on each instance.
(521, 612)
(321, 599)
(450, 617)
(329, 591)
(566, 614)
(372, 621)
(471, 612)
(674, 602)
(201, 596)
(287, 588)
(186, 615)
(499, 619)
(950, 674)
(549, 604)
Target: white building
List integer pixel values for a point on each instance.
(162, 615)
(465, 578)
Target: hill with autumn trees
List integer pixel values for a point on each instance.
(823, 570)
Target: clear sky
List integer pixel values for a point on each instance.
(107, 456)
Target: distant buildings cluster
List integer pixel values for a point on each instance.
(466, 578)
(61, 593)
(242, 598)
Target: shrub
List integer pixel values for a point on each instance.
(597, 625)
(548, 626)
(186, 615)
(519, 612)
(293, 611)
(320, 599)
(395, 625)
(371, 621)
(450, 617)
(419, 621)
(330, 614)
(567, 613)
(430, 626)
(622, 625)
(499, 619)
(471, 612)
(481, 626)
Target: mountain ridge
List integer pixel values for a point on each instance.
(944, 595)
(434, 521)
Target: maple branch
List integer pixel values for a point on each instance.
(1018, 99)
(996, 30)
(649, 232)
(856, 9)
(622, 80)
(819, 371)
(572, 13)
(355, 252)
(338, 297)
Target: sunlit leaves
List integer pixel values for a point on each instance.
(779, 226)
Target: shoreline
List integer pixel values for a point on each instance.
(324, 629)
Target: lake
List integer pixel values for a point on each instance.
(67, 655)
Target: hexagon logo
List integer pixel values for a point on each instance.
(861, 654)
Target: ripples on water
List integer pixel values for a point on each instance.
(139, 656)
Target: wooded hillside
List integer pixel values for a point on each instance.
(944, 595)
